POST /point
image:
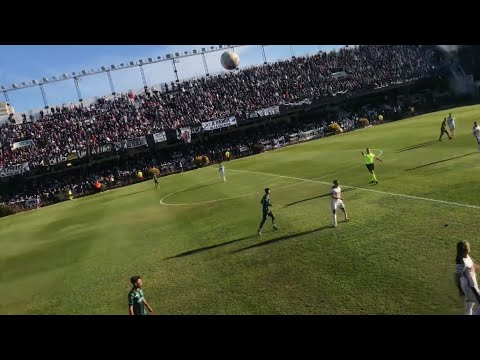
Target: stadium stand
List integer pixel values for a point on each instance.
(65, 129)
(109, 126)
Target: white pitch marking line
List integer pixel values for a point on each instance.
(221, 199)
(250, 194)
(370, 190)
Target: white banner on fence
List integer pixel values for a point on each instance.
(243, 148)
(160, 137)
(299, 103)
(274, 110)
(306, 135)
(218, 124)
(14, 170)
(23, 143)
(131, 143)
(92, 150)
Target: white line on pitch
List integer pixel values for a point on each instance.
(363, 189)
(250, 194)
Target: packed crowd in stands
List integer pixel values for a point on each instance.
(173, 160)
(61, 130)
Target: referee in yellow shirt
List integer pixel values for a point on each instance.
(370, 163)
(227, 155)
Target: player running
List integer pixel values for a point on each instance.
(370, 164)
(221, 170)
(266, 203)
(155, 179)
(476, 133)
(451, 125)
(443, 130)
(337, 202)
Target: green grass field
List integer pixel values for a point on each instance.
(395, 256)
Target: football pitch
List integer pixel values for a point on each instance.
(194, 239)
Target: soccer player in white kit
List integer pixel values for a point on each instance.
(466, 278)
(221, 170)
(451, 124)
(337, 202)
(476, 133)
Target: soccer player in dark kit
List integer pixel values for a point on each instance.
(266, 204)
(443, 130)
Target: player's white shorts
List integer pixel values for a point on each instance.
(469, 293)
(337, 204)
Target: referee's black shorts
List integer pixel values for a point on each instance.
(370, 167)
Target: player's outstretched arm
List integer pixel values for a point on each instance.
(148, 306)
(377, 158)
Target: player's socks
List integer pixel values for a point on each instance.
(259, 232)
(334, 219)
(469, 308)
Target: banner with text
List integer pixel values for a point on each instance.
(218, 124)
(270, 111)
(14, 170)
(131, 143)
(92, 150)
(23, 143)
(299, 103)
(160, 137)
(306, 135)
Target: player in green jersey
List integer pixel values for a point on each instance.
(136, 300)
(266, 204)
(370, 163)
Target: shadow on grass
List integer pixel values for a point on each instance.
(196, 251)
(284, 237)
(202, 186)
(441, 161)
(315, 197)
(137, 192)
(417, 146)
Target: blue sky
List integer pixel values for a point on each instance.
(25, 63)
